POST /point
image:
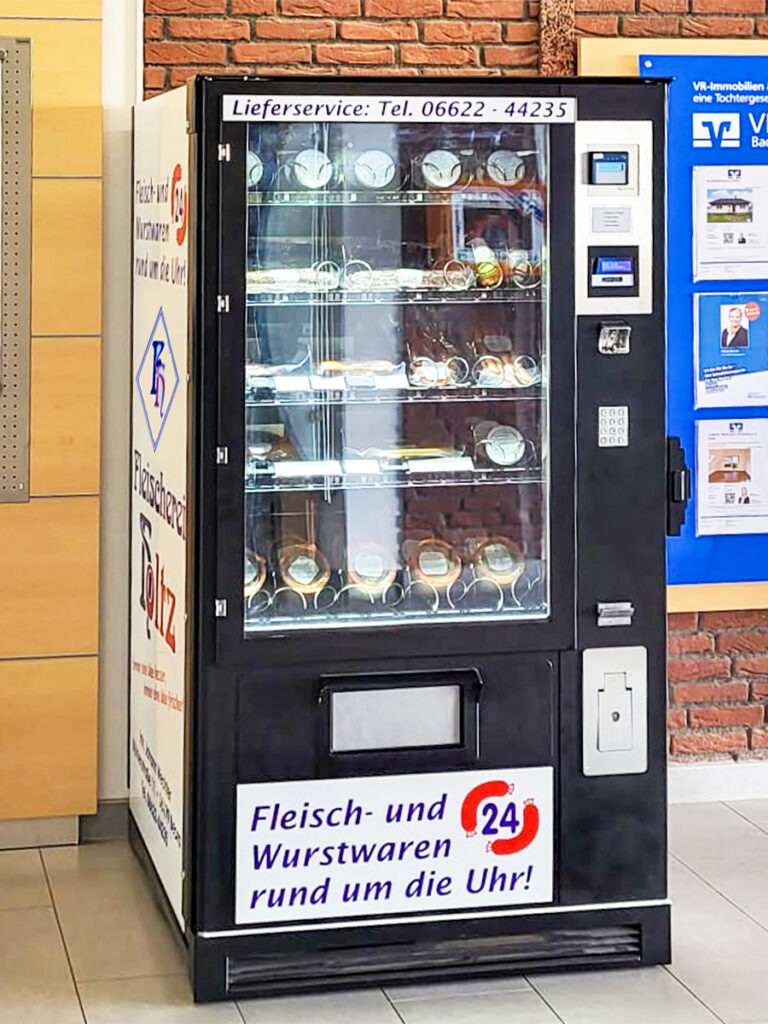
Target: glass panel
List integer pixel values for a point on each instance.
(396, 419)
(395, 718)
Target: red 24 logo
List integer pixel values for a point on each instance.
(179, 205)
(507, 819)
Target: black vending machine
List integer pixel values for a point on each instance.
(400, 497)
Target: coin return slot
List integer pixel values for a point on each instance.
(395, 718)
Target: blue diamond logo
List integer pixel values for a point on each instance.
(157, 379)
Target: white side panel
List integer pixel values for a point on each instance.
(614, 215)
(159, 481)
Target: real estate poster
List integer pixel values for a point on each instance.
(731, 349)
(730, 222)
(731, 476)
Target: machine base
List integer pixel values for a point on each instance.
(423, 951)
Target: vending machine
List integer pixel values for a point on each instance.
(400, 498)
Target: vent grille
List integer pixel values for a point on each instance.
(15, 229)
(409, 961)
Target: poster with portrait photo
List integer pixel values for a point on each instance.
(731, 476)
(731, 349)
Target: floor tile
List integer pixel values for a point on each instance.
(164, 1000)
(636, 996)
(35, 983)
(22, 880)
(717, 952)
(368, 1006)
(111, 924)
(755, 811)
(498, 1008)
(475, 986)
(699, 833)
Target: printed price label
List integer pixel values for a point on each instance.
(460, 109)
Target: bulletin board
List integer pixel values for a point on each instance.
(715, 277)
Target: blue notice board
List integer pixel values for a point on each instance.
(718, 117)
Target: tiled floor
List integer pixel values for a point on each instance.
(81, 940)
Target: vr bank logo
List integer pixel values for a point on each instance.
(721, 131)
(157, 379)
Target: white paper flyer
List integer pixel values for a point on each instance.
(731, 476)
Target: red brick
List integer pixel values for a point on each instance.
(682, 620)
(649, 26)
(403, 8)
(185, 53)
(681, 669)
(185, 6)
(732, 620)
(742, 640)
(709, 693)
(180, 75)
(389, 72)
(416, 53)
(292, 69)
(257, 7)
(690, 643)
(728, 6)
(521, 31)
(317, 8)
(718, 26)
(279, 53)
(758, 739)
(731, 742)
(751, 666)
(352, 53)
(759, 691)
(597, 24)
(516, 56)
(149, 93)
(374, 30)
(462, 32)
(663, 6)
(676, 718)
(208, 28)
(153, 28)
(747, 714)
(472, 72)
(762, 26)
(600, 6)
(154, 78)
(288, 28)
(486, 9)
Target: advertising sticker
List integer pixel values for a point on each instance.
(159, 482)
(396, 844)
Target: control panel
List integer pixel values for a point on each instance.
(615, 715)
(613, 426)
(614, 217)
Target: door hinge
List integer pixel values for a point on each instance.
(222, 303)
(678, 486)
(225, 152)
(221, 607)
(222, 456)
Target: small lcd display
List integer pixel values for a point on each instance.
(615, 265)
(609, 168)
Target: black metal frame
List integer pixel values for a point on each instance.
(604, 854)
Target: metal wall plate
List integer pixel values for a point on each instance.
(15, 242)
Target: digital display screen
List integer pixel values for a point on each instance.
(615, 265)
(609, 168)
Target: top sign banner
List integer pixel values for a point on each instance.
(420, 109)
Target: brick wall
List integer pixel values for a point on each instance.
(721, 18)
(718, 685)
(392, 37)
(718, 662)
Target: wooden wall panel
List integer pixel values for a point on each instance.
(50, 8)
(66, 256)
(49, 568)
(66, 95)
(65, 420)
(48, 725)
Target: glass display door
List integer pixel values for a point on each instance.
(396, 374)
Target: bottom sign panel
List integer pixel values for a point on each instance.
(335, 848)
